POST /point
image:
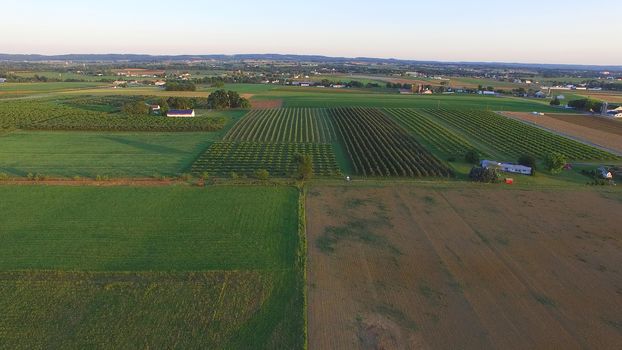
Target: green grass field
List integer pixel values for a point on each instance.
(174, 267)
(9, 90)
(88, 154)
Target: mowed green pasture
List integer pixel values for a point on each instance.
(88, 154)
(167, 267)
(46, 87)
(8, 90)
(146, 229)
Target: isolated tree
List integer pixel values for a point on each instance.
(234, 99)
(471, 156)
(487, 175)
(164, 107)
(555, 162)
(221, 99)
(218, 99)
(179, 103)
(304, 166)
(555, 101)
(136, 108)
(528, 160)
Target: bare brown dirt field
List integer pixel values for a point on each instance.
(595, 130)
(266, 104)
(594, 122)
(407, 267)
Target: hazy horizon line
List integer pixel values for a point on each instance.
(619, 65)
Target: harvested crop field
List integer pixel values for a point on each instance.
(593, 130)
(597, 123)
(412, 267)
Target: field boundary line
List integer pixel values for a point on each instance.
(302, 260)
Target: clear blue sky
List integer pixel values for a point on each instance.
(554, 31)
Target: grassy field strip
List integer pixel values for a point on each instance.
(203, 268)
(87, 154)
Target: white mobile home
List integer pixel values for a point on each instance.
(507, 167)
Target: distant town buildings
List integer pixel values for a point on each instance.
(138, 72)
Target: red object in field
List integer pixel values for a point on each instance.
(509, 181)
(568, 167)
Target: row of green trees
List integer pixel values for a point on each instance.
(180, 85)
(587, 104)
(219, 99)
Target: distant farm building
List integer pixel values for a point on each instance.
(155, 110)
(159, 83)
(2, 80)
(181, 113)
(137, 72)
(605, 173)
(507, 167)
(427, 92)
(540, 94)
